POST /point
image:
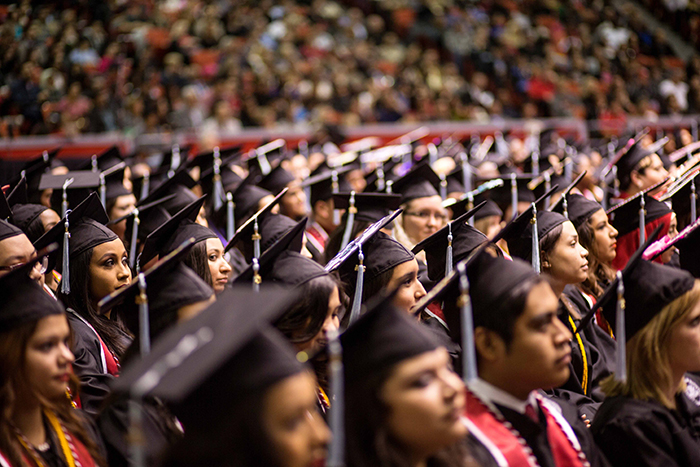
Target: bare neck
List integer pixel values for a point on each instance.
(27, 417)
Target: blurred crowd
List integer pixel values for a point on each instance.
(75, 67)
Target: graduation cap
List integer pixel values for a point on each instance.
(28, 218)
(636, 212)
(376, 253)
(563, 200)
(258, 162)
(577, 208)
(33, 171)
(277, 180)
(262, 265)
(180, 185)
(82, 228)
(327, 183)
(450, 245)
(419, 182)
(467, 202)
(8, 230)
(19, 194)
(377, 180)
(172, 160)
(159, 294)
(365, 207)
(104, 161)
(630, 157)
(113, 182)
(684, 199)
(515, 189)
(70, 189)
(687, 242)
(174, 232)
(23, 299)
(246, 198)
(273, 227)
(214, 175)
(141, 221)
(251, 229)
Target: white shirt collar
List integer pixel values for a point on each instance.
(490, 393)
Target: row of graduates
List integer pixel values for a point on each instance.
(387, 266)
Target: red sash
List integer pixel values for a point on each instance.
(81, 455)
(112, 364)
(317, 237)
(565, 450)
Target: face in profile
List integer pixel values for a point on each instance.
(409, 290)
(568, 260)
(425, 401)
(605, 237)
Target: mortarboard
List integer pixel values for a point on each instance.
(687, 241)
(633, 155)
(180, 185)
(27, 217)
(276, 180)
(169, 285)
(520, 239)
(172, 159)
(378, 178)
(215, 175)
(66, 193)
(8, 230)
(364, 207)
(104, 161)
(19, 195)
(684, 199)
(450, 245)
(577, 208)
(514, 190)
(114, 184)
(174, 232)
(625, 217)
(273, 227)
(33, 171)
(246, 198)
(420, 182)
(327, 183)
(23, 299)
(467, 202)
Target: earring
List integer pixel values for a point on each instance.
(545, 264)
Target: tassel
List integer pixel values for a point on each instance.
(380, 177)
(565, 204)
(535, 241)
(693, 202)
(144, 326)
(94, 168)
(218, 187)
(230, 220)
(256, 275)
(145, 187)
(352, 210)
(642, 220)
(466, 172)
(448, 260)
(265, 167)
(443, 187)
(469, 372)
(357, 298)
(389, 187)
(335, 188)
(514, 195)
(103, 191)
(137, 439)
(547, 186)
(535, 162)
(620, 336)
(134, 239)
(336, 454)
(64, 199)
(256, 239)
(65, 279)
(470, 206)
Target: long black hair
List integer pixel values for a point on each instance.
(198, 260)
(112, 331)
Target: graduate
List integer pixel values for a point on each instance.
(639, 168)
(16, 249)
(38, 423)
(647, 419)
(95, 266)
(34, 219)
(293, 204)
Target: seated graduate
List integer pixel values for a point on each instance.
(242, 396)
(38, 424)
(174, 294)
(96, 265)
(565, 262)
(403, 401)
(520, 347)
(647, 418)
(34, 219)
(316, 312)
(206, 258)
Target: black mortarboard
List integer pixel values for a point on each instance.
(378, 178)
(84, 183)
(8, 230)
(503, 196)
(19, 195)
(556, 206)
(687, 242)
(174, 159)
(469, 200)
(217, 160)
(114, 184)
(380, 339)
(179, 185)
(246, 198)
(104, 161)
(625, 216)
(174, 232)
(245, 232)
(632, 156)
(33, 171)
(24, 300)
(5, 211)
(169, 285)
(465, 239)
(420, 182)
(205, 160)
(273, 227)
(217, 349)
(370, 207)
(290, 241)
(27, 217)
(276, 180)
(520, 239)
(684, 199)
(579, 208)
(325, 184)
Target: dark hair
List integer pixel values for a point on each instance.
(548, 242)
(368, 442)
(111, 331)
(198, 261)
(336, 238)
(598, 272)
(35, 229)
(502, 320)
(371, 287)
(13, 345)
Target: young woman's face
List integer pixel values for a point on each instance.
(49, 218)
(404, 279)
(122, 206)
(109, 269)
(423, 217)
(426, 400)
(48, 358)
(331, 323)
(684, 344)
(653, 174)
(604, 236)
(218, 266)
(667, 255)
(568, 261)
(291, 420)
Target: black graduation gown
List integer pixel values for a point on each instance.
(442, 337)
(645, 433)
(600, 352)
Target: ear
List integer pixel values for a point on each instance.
(489, 346)
(323, 209)
(636, 179)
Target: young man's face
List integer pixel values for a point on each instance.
(540, 352)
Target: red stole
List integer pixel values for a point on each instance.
(317, 237)
(628, 243)
(110, 361)
(80, 454)
(566, 449)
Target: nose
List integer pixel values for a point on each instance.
(563, 335)
(613, 232)
(66, 354)
(320, 433)
(225, 267)
(331, 325)
(124, 273)
(452, 385)
(420, 291)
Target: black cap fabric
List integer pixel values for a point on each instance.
(519, 239)
(84, 183)
(105, 160)
(179, 185)
(648, 288)
(114, 184)
(168, 162)
(8, 230)
(19, 194)
(372, 178)
(170, 285)
(151, 216)
(205, 162)
(26, 217)
(419, 182)
(245, 232)
(277, 180)
(321, 185)
(292, 269)
(579, 208)
(502, 195)
(175, 231)
(680, 196)
(465, 239)
(689, 250)
(33, 171)
(220, 352)
(625, 216)
(380, 339)
(23, 300)
(630, 157)
(370, 207)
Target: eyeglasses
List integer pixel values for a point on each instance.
(40, 266)
(425, 215)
